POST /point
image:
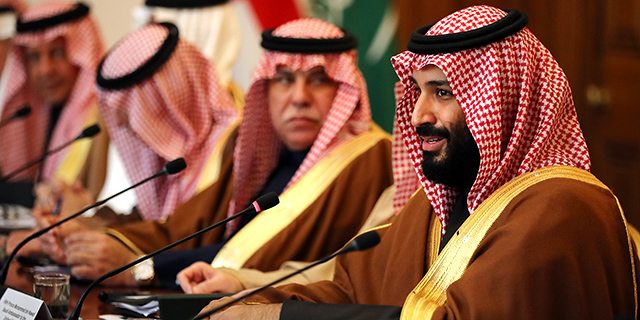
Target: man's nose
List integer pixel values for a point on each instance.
(423, 112)
(46, 65)
(301, 96)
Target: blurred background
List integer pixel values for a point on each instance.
(597, 43)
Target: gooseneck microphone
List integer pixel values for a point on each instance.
(172, 167)
(262, 203)
(88, 132)
(19, 114)
(362, 242)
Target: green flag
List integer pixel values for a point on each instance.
(374, 23)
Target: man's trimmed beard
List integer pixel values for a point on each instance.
(460, 163)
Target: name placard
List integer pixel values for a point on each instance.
(15, 305)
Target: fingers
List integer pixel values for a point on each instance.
(83, 271)
(44, 195)
(77, 186)
(221, 283)
(194, 274)
(82, 237)
(53, 246)
(201, 277)
(92, 253)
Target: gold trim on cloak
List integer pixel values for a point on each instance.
(431, 292)
(293, 201)
(211, 170)
(76, 155)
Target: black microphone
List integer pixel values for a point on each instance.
(20, 113)
(86, 133)
(362, 242)
(262, 203)
(172, 167)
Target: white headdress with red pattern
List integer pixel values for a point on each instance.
(161, 100)
(516, 100)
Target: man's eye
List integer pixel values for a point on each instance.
(58, 53)
(282, 79)
(444, 93)
(32, 57)
(319, 79)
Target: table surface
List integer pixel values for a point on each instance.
(20, 278)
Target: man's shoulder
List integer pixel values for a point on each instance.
(375, 143)
(562, 189)
(566, 201)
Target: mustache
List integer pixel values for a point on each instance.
(431, 130)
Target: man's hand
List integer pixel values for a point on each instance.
(93, 253)
(73, 199)
(201, 277)
(242, 311)
(15, 237)
(52, 242)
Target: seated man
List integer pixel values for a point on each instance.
(10, 10)
(175, 109)
(202, 277)
(306, 133)
(510, 224)
(55, 55)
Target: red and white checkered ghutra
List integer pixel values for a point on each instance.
(179, 111)
(258, 147)
(23, 141)
(517, 104)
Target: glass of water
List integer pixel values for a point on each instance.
(53, 289)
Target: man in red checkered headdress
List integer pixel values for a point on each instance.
(10, 10)
(306, 133)
(56, 50)
(509, 223)
(54, 57)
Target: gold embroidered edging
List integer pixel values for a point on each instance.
(76, 155)
(122, 238)
(293, 202)
(435, 236)
(630, 237)
(430, 293)
(211, 171)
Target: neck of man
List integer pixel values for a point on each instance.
(457, 217)
(288, 164)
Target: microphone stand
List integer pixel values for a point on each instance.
(48, 153)
(75, 315)
(5, 268)
(369, 241)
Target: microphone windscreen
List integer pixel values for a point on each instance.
(363, 242)
(175, 166)
(22, 112)
(89, 132)
(266, 201)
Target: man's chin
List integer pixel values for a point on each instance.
(433, 158)
(52, 98)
